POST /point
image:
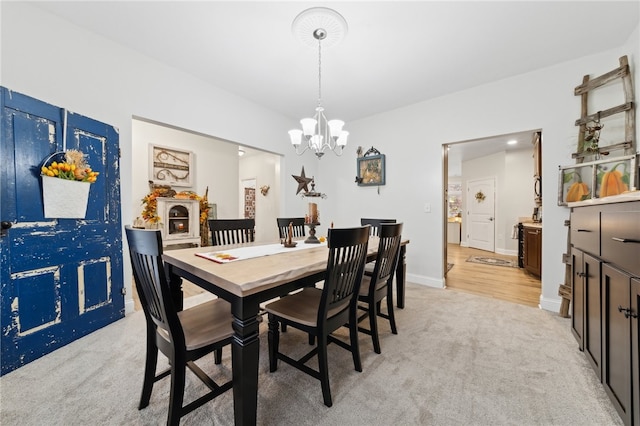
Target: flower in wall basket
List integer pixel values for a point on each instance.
(74, 167)
(66, 176)
(480, 196)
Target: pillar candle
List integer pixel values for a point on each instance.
(313, 212)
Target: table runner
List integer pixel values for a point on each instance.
(249, 252)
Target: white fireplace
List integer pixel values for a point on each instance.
(180, 221)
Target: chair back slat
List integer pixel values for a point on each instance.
(298, 226)
(390, 235)
(345, 267)
(145, 248)
(375, 224)
(232, 231)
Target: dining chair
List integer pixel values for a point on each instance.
(379, 284)
(297, 225)
(232, 231)
(319, 312)
(182, 336)
(375, 224)
(375, 229)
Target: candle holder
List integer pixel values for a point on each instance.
(312, 239)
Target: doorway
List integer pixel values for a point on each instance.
(512, 168)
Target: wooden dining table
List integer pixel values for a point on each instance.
(246, 283)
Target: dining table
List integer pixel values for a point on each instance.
(246, 275)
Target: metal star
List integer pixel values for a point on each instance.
(303, 181)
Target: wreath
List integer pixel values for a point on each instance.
(480, 196)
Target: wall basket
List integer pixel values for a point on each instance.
(64, 199)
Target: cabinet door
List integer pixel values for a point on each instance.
(592, 312)
(616, 335)
(635, 346)
(577, 297)
(532, 250)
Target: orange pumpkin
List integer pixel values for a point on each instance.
(577, 192)
(612, 184)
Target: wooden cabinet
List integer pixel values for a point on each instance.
(532, 250)
(586, 306)
(605, 256)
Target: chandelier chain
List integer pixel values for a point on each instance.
(319, 72)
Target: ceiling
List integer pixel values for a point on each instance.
(394, 54)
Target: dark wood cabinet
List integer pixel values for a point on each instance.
(532, 250)
(605, 261)
(635, 348)
(616, 332)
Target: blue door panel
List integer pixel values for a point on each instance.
(25, 131)
(38, 301)
(60, 279)
(96, 281)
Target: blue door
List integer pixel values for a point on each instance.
(60, 279)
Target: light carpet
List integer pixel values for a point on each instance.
(459, 359)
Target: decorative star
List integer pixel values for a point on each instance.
(303, 181)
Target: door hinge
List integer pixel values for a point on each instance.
(123, 291)
(119, 153)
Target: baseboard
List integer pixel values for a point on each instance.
(426, 281)
(552, 305)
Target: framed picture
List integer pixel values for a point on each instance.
(371, 170)
(170, 166)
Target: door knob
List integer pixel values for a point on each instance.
(490, 219)
(4, 225)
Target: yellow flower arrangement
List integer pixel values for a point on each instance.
(74, 167)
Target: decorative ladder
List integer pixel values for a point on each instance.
(628, 146)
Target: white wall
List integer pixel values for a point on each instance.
(265, 169)
(412, 139)
(215, 165)
(513, 171)
(49, 59)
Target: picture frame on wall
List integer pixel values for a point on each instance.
(170, 166)
(371, 170)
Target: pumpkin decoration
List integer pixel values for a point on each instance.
(613, 182)
(578, 191)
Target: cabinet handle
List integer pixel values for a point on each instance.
(627, 312)
(583, 230)
(625, 240)
(581, 274)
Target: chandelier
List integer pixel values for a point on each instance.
(319, 134)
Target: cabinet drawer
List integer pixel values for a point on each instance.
(620, 234)
(585, 229)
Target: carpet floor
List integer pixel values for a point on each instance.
(459, 359)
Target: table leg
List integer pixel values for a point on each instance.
(401, 272)
(245, 352)
(175, 284)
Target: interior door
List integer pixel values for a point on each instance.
(60, 278)
(481, 214)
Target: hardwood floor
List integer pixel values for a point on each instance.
(505, 283)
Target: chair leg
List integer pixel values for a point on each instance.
(149, 369)
(353, 334)
(178, 373)
(392, 317)
(323, 369)
(274, 342)
(218, 356)
(373, 326)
